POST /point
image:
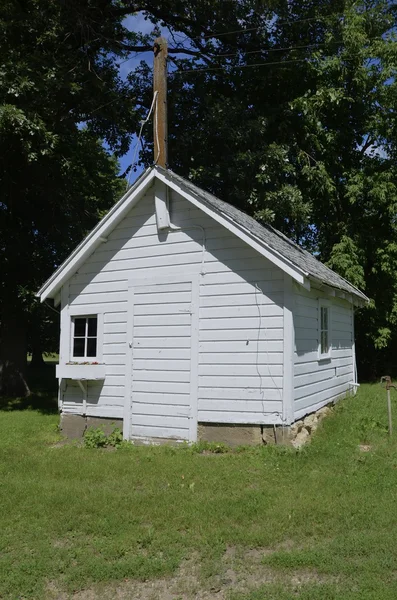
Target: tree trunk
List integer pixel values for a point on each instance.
(37, 357)
(35, 344)
(13, 349)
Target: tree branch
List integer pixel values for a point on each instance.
(367, 145)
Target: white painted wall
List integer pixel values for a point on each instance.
(317, 382)
(240, 328)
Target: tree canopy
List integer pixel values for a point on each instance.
(285, 108)
(290, 114)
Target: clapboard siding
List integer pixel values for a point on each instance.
(240, 359)
(317, 382)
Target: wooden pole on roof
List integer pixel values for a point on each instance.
(160, 132)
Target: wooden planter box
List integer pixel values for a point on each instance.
(81, 372)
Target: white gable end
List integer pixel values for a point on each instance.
(239, 304)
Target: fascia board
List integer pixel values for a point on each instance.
(93, 239)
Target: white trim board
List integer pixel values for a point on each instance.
(96, 237)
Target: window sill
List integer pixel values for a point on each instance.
(324, 359)
(81, 372)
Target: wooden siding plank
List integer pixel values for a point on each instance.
(161, 376)
(157, 409)
(243, 311)
(143, 331)
(233, 335)
(161, 421)
(115, 338)
(230, 301)
(241, 347)
(240, 382)
(231, 393)
(113, 328)
(229, 288)
(171, 320)
(172, 298)
(248, 418)
(161, 342)
(242, 358)
(118, 317)
(246, 406)
(245, 323)
(162, 398)
(152, 387)
(244, 370)
(160, 354)
(164, 364)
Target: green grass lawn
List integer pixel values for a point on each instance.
(157, 522)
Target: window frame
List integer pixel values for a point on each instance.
(83, 313)
(322, 303)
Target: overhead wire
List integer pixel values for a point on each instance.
(271, 25)
(285, 49)
(279, 63)
(143, 123)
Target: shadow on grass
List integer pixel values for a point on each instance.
(43, 385)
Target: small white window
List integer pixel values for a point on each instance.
(84, 336)
(324, 330)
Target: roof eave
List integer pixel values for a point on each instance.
(52, 286)
(348, 294)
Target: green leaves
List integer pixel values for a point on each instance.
(346, 259)
(303, 136)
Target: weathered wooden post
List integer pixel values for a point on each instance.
(160, 132)
(389, 385)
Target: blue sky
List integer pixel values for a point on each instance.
(137, 23)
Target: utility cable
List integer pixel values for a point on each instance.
(285, 49)
(279, 63)
(272, 25)
(143, 123)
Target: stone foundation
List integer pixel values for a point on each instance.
(298, 434)
(242, 435)
(74, 426)
(295, 435)
(301, 431)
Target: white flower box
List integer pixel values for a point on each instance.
(81, 372)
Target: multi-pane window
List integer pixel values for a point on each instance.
(85, 332)
(324, 331)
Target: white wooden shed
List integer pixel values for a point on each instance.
(179, 310)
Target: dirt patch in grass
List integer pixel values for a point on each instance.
(365, 447)
(240, 571)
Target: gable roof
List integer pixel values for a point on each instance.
(313, 268)
(280, 250)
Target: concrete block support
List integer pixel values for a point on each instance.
(74, 426)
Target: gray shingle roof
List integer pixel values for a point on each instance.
(276, 240)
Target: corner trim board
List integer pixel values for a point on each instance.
(128, 366)
(289, 347)
(194, 359)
